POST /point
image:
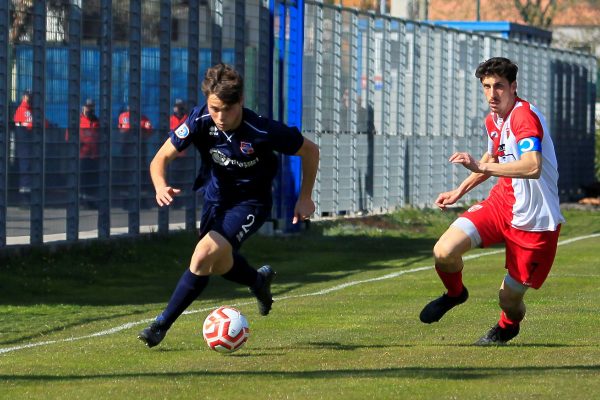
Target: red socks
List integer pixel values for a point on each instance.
(506, 322)
(452, 281)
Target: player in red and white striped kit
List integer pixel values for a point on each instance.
(522, 209)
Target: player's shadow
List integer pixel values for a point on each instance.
(453, 373)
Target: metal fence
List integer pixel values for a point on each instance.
(135, 55)
(387, 100)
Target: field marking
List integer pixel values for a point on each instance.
(317, 293)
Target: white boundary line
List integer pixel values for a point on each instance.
(317, 293)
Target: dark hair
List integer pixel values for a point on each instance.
(500, 66)
(225, 82)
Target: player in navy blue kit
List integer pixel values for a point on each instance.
(238, 166)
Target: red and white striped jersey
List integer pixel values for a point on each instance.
(531, 204)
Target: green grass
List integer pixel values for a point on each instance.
(362, 341)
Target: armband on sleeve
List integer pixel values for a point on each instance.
(530, 144)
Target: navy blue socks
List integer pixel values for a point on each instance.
(241, 272)
(187, 290)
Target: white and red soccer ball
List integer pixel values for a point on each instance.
(225, 330)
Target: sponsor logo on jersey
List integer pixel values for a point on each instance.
(475, 208)
(183, 131)
(246, 148)
(222, 159)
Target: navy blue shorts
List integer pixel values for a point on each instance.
(234, 222)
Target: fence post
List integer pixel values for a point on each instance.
(39, 129)
(164, 106)
(291, 172)
(4, 115)
(74, 89)
(134, 102)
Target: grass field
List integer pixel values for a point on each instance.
(344, 325)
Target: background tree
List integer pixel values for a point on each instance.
(535, 13)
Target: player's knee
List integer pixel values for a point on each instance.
(444, 253)
(204, 259)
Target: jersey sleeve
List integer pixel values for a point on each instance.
(285, 139)
(491, 134)
(183, 135)
(524, 123)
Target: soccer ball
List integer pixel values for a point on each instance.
(225, 330)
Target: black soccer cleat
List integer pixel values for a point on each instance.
(436, 309)
(263, 291)
(153, 335)
(498, 336)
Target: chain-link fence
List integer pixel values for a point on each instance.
(387, 100)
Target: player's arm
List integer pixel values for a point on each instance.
(310, 164)
(473, 180)
(529, 166)
(158, 173)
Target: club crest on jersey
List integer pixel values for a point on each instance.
(246, 148)
(183, 131)
(212, 131)
(501, 149)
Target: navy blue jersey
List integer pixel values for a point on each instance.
(237, 166)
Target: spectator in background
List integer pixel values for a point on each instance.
(125, 125)
(147, 151)
(23, 141)
(177, 118)
(179, 114)
(89, 138)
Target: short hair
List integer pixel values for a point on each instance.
(500, 66)
(225, 82)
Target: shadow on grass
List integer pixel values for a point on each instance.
(457, 373)
(146, 271)
(513, 345)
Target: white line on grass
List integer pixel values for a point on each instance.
(317, 293)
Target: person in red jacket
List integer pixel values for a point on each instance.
(23, 137)
(89, 139)
(124, 124)
(179, 114)
(127, 144)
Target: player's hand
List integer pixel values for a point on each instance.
(447, 199)
(466, 160)
(165, 195)
(303, 210)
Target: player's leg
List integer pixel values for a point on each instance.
(529, 258)
(212, 255)
(513, 311)
(238, 224)
(448, 253)
(258, 281)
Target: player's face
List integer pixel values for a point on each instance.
(499, 93)
(226, 116)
